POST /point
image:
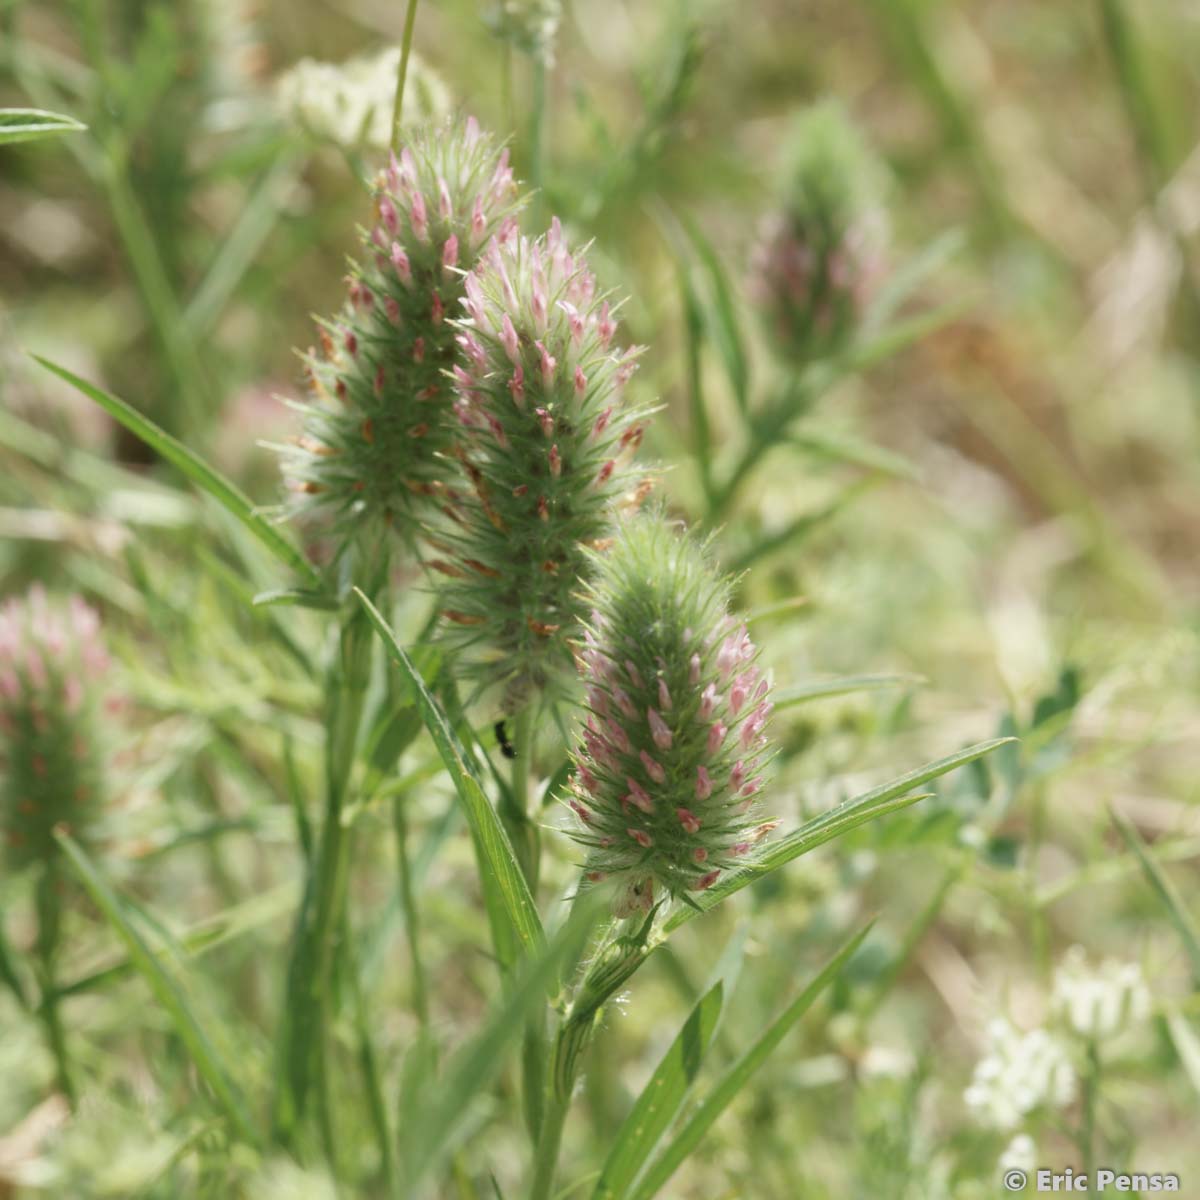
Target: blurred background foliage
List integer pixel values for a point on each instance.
(998, 523)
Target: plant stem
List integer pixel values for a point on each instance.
(307, 1018)
(420, 996)
(537, 136)
(545, 1161)
(522, 832)
(765, 433)
(1087, 1137)
(49, 911)
(410, 20)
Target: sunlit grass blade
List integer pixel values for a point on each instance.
(898, 336)
(802, 527)
(661, 1098)
(1179, 916)
(1187, 1046)
(738, 1075)
(259, 214)
(166, 991)
(33, 124)
(477, 1064)
(495, 850)
(202, 938)
(844, 685)
(905, 279)
(722, 318)
(841, 447)
(887, 798)
(226, 493)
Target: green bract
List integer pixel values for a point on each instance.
(545, 450)
(379, 424)
(670, 759)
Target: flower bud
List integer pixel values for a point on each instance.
(819, 255)
(52, 659)
(545, 462)
(665, 792)
(381, 417)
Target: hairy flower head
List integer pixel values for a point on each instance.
(818, 255)
(52, 660)
(670, 758)
(545, 452)
(380, 419)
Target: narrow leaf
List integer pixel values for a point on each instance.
(660, 1099)
(738, 1075)
(1184, 924)
(492, 842)
(474, 1067)
(33, 124)
(845, 685)
(166, 991)
(722, 318)
(226, 493)
(1187, 1046)
(889, 797)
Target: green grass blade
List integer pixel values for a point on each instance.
(722, 318)
(844, 685)
(902, 283)
(166, 991)
(477, 1064)
(738, 1075)
(1184, 924)
(259, 214)
(33, 124)
(841, 447)
(661, 1098)
(227, 494)
(802, 527)
(887, 798)
(1187, 1046)
(495, 850)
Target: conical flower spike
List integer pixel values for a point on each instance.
(668, 766)
(546, 447)
(381, 420)
(52, 662)
(818, 257)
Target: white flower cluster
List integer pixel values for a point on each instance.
(1019, 1073)
(1098, 1002)
(1019, 1155)
(530, 25)
(350, 103)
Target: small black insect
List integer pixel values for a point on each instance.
(506, 747)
